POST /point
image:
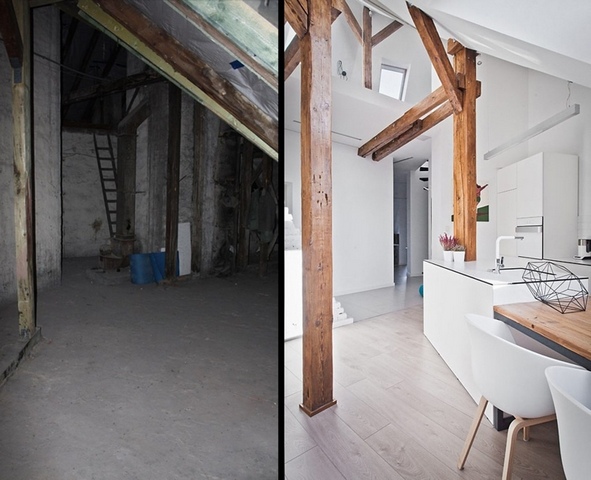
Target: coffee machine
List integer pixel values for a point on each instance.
(584, 249)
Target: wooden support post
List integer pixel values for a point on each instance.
(23, 180)
(172, 180)
(317, 210)
(464, 163)
(245, 194)
(126, 169)
(267, 180)
(367, 44)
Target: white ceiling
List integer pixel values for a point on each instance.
(549, 36)
(357, 115)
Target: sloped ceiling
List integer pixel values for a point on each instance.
(543, 35)
(223, 54)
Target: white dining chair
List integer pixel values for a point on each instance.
(511, 378)
(571, 392)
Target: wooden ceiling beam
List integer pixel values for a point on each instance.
(385, 32)
(184, 68)
(11, 35)
(292, 57)
(252, 40)
(366, 44)
(438, 55)
(343, 6)
(293, 54)
(405, 122)
(119, 85)
(296, 14)
(425, 124)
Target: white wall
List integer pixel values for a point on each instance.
(501, 113)
(401, 213)
(363, 223)
(403, 49)
(362, 216)
(513, 99)
(418, 224)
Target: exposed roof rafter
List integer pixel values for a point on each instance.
(296, 14)
(184, 68)
(438, 55)
(418, 127)
(239, 30)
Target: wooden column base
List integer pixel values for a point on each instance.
(311, 413)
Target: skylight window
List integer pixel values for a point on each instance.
(392, 81)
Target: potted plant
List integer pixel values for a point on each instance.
(459, 253)
(448, 242)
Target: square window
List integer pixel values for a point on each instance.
(392, 81)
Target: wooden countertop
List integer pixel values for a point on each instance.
(570, 330)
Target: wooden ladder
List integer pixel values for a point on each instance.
(108, 172)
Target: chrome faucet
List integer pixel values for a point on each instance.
(498, 258)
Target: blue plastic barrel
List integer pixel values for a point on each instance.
(158, 265)
(141, 268)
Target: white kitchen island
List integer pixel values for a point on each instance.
(451, 290)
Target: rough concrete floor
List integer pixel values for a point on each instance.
(146, 382)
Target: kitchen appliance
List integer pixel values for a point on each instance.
(531, 229)
(584, 249)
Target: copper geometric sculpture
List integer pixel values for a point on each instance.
(556, 286)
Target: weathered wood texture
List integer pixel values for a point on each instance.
(293, 56)
(366, 44)
(172, 180)
(23, 181)
(245, 195)
(464, 162)
(343, 6)
(317, 210)
(385, 32)
(240, 31)
(296, 14)
(438, 55)
(110, 88)
(126, 169)
(417, 128)
(185, 68)
(405, 122)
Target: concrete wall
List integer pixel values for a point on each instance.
(85, 220)
(46, 158)
(7, 242)
(85, 226)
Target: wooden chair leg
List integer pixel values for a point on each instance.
(512, 433)
(472, 432)
(526, 434)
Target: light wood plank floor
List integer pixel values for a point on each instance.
(400, 414)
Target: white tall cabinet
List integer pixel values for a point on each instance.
(541, 188)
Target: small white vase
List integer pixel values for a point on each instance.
(448, 256)
(459, 257)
